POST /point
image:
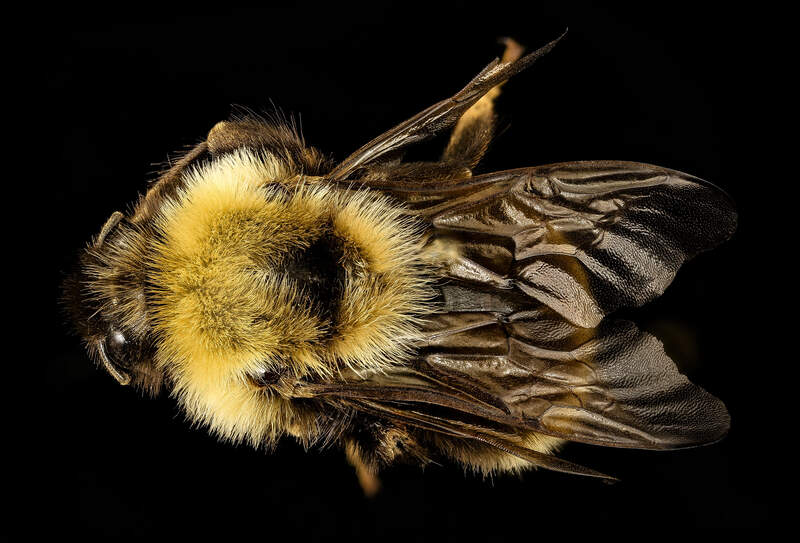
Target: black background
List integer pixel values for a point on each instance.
(671, 85)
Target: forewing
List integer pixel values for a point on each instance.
(488, 374)
(612, 385)
(584, 238)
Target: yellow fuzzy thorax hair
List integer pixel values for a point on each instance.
(225, 308)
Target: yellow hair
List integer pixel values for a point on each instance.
(224, 311)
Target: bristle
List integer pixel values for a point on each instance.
(228, 301)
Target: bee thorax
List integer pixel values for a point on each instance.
(306, 278)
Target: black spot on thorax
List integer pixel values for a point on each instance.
(319, 274)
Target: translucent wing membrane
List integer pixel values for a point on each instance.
(584, 238)
(612, 385)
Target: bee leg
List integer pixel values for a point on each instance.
(366, 473)
(474, 130)
(439, 116)
(468, 143)
(414, 172)
(376, 444)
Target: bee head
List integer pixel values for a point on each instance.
(105, 298)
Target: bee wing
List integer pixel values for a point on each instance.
(584, 238)
(537, 258)
(438, 116)
(470, 430)
(486, 374)
(612, 385)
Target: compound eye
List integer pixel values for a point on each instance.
(116, 339)
(117, 347)
(112, 354)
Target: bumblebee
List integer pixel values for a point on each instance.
(406, 311)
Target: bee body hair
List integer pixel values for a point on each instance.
(246, 277)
